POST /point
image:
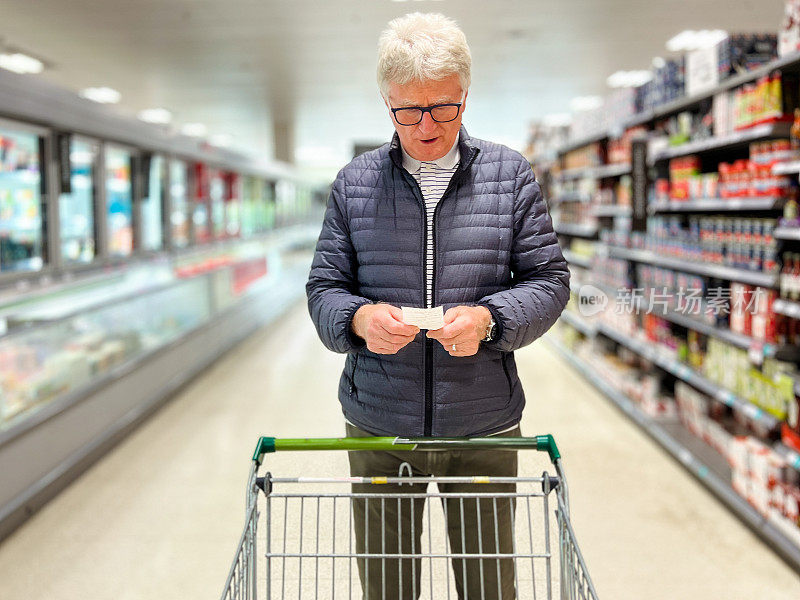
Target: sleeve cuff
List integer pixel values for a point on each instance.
(497, 321)
(355, 341)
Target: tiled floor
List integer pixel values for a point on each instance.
(160, 516)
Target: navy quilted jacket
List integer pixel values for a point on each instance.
(495, 246)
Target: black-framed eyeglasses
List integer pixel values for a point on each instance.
(441, 113)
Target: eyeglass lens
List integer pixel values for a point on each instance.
(412, 116)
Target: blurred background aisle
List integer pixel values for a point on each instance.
(160, 516)
(164, 171)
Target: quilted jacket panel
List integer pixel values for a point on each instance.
(495, 246)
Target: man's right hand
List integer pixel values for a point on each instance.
(382, 327)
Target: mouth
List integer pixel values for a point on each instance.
(429, 140)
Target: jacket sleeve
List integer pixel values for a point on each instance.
(540, 278)
(332, 287)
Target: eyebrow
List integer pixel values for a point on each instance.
(442, 100)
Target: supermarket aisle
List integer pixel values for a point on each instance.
(160, 516)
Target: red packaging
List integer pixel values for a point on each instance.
(662, 190)
(741, 310)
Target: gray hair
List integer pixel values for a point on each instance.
(422, 47)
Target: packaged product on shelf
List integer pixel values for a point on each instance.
(764, 319)
(789, 33)
(740, 316)
(722, 112)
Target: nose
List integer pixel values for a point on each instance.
(427, 125)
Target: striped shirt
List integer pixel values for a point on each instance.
(433, 178)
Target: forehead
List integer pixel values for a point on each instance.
(421, 93)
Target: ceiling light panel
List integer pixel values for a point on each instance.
(21, 63)
(103, 95)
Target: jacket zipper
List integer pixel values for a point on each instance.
(428, 346)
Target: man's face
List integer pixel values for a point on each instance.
(427, 140)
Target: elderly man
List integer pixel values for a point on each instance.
(433, 218)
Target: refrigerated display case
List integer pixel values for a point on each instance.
(200, 200)
(233, 206)
(119, 201)
(21, 208)
(250, 198)
(179, 202)
(153, 205)
(268, 206)
(216, 194)
(76, 206)
(44, 361)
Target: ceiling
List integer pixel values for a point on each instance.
(249, 68)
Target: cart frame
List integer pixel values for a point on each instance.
(575, 582)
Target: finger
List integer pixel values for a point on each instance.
(398, 327)
(451, 314)
(391, 338)
(467, 349)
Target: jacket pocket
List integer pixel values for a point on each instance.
(506, 356)
(353, 375)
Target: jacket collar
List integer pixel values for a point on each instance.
(467, 150)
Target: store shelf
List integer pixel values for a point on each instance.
(573, 197)
(736, 339)
(792, 457)
(701, 461)
(758, 278)
(790, 308)
(682, 103)
(786, 233)
(611, 210)
(576, 259)
(690, 376)
(576, 230)
(574, 320)
(717, 205)
(598, 136)
(786, 168)
(717, 143)
(601, 172)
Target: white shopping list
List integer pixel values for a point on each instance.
(424, 318)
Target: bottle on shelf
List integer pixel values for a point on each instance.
(786, 271)
(794, 285)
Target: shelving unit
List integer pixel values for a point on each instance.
(736, 339)
(576, 230)
(759, 278)
(746, 136)
(575, 259)
(717, 205)
(792, 457)
(689, 375)
(573, 197)
(601, 172)
(701, 461)
(611, 210)
(586, 328)
(786, 233)
(692, 452)
(787, 168)
(790, 308)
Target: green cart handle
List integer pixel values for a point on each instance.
(542, 443)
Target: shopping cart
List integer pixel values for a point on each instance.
(309, 541)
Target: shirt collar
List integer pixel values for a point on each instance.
(448, 161)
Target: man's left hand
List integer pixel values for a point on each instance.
(464, 328)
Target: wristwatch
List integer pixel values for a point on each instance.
(491, 330)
